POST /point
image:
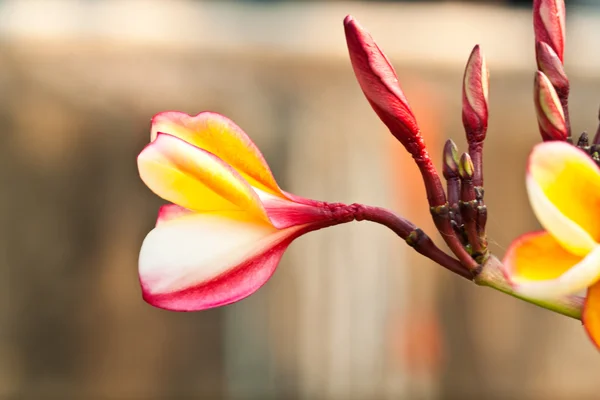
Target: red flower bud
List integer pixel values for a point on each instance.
(551, 118)
(475, 97)
(475, 108)
(549, 24)
(379, 83)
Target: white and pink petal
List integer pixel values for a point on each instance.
(170, 212)
(206, 260)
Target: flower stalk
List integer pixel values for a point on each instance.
(414, 237)
(468, 209)
(492, 275)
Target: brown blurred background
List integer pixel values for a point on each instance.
(351, 313)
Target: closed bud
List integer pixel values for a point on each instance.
(378, 81)
(549, 24)
(475, 97)
(466, 168)
(550, 115)
(451, 160)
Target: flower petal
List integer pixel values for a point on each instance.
(170, 212)
(194, 178)
(564, 190)
(206, 260)
(537, 256)
(222, 137)
(591, 314)
(539, 267)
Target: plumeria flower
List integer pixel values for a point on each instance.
(563, 184)
(229, 223)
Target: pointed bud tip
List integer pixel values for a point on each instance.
(352, 29)
(476, 52)
(539, 77)
(451, 160)
(466, 168)
(451, 148)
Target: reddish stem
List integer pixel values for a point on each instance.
(468, 210)
(414, 236)
(440, 211)
(476, 153)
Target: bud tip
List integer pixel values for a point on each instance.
(466, 168)
(451, 160)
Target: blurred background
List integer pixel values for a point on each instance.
(352, 312)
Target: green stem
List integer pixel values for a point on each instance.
(491, 275)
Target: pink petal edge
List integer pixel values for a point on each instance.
(169, 212)
(232, 286)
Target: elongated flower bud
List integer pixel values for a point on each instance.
(475, 97)
(475, 109)
(549, 24)
(551, 118)
(379, 83)
(550, 64)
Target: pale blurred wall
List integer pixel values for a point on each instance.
(351, 313)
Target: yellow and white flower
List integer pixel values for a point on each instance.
(563, 184)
